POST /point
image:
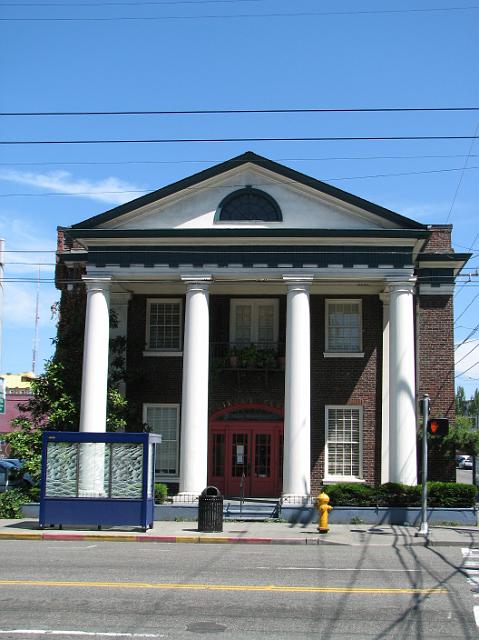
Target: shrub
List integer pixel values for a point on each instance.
(348, 494)
(161, 492)
(11, 503)
(395, 494)
(450, 494)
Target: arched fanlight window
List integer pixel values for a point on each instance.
(248, 204)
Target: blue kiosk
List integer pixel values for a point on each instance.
(102, 479)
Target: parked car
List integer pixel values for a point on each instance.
(464, 462)
(11, 476)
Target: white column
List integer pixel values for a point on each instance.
(402, 387)
(94, 386)
(385, 392)
(95, 356)
(297, 427)
(194, 406)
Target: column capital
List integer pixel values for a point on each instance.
(385, 297)
(95, 283)
(199, 282)
(298, 283)
(396, 286)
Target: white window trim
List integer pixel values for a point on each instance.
(254, 302)
(165, 405)
(336, 478)
(149, 351)
(343, 354)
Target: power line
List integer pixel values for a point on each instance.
(317, 159)
(462, 175)
(120, 4)
(252, 139)
(151, 189)
(468, 306)
(298, 14)
(235, 111)
(468, 369)
(467, 354)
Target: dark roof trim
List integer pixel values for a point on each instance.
(250, 157)
(181, 234)
(444, 257)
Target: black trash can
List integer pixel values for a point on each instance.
(210, 510)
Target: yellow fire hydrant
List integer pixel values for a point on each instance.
(323, 508)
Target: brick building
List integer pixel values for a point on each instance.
(16, 392)
(278, 330)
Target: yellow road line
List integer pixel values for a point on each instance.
(222, 587)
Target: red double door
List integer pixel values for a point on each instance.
(246, 457)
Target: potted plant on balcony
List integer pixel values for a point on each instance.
(266, 358)
(233, 357)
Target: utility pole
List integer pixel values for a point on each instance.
(3, 391)
(35, 334)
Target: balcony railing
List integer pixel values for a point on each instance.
(260, 355)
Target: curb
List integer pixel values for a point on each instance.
(83, 537)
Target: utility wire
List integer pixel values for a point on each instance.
(233, 111)
(468, 306)
(152, 189)
(467, 354)
(317, 159)
(462, 174)
(252, 139)
(298, 14)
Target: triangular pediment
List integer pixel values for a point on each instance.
(194, 203)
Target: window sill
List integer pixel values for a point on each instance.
(343, 354)
(335, 479)
(163, 354)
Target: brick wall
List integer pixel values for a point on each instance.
(436, 369)
(347, 381)
(340, 381)
(440, 239)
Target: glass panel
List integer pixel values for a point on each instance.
(344, 327)
(243, 319)
(93, 470)
(164, 420)
(165, 325)
(265, 324)
(262, 458)
(239, 455)
(62, 469)
(151, 470)
(126, 470)
(344, 442)
(219, 454)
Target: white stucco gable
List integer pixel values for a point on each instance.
(193, 203)
(301, 206)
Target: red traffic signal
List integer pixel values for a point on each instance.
(438, 426)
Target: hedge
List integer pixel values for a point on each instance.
(394, 494)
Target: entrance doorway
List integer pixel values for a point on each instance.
(245, 452)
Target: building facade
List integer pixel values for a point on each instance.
(278, 331)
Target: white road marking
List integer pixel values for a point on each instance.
(476, 615)
(95, 634)
(337, 569)
(68, 547)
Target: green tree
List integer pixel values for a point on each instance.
(55, 402)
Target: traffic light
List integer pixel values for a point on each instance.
(438, 426)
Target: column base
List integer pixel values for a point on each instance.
(296, 499)
(186, 497)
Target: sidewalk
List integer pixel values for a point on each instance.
(249, 533)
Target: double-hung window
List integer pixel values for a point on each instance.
(164, 324)
(344, 456)
(343, 327)
(254, 321)
(165, 420)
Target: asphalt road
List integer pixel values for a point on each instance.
(176, 591)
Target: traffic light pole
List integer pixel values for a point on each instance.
(423, 531)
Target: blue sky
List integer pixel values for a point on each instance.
(230, 54)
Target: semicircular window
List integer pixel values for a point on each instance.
(249, 204)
